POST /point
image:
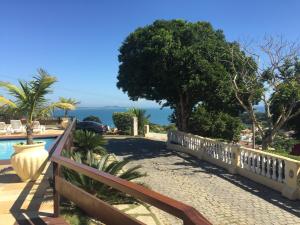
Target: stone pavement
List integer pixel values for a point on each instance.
(221, 197)
(32, 202)
(23, 201)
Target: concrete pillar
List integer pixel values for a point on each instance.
(134, 130)
(235, 160)
(146, 129)
(292, 177)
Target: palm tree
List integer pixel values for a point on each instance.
(30, 99)
(143, 119)
(71, 104)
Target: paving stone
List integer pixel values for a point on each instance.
(221, 197)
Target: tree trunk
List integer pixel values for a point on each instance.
(253, 135)
(182, 114)
(267, 141)
(29, 132)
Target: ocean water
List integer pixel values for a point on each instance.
(157, 115)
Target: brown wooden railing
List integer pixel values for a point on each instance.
(101, 210)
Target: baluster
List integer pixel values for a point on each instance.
(248, 161)
(274, 177)
(263, 166)
(258, 161)
(242, 155)
(268, 167)
(225, 150)
(253, 158)
(280, 167)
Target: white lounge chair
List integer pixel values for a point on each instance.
(3, 128)
(38, 128)
(17, 127)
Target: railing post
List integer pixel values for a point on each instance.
(146, 130)
(235, 159)
(292, 179)
(56, 172)
(134, 127)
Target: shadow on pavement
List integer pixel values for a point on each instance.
(140, 148)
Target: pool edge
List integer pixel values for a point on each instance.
(6, 162)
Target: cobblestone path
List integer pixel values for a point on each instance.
(221, 197)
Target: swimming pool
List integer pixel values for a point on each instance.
(6, 146)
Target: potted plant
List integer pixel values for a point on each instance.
(70, 104)
(29, 99)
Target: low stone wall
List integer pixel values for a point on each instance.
(156, 136)
(277, 172)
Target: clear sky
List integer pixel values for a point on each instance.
(78, 41)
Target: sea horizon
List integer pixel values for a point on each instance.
(157, 115)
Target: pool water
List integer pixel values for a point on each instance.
(6, 146)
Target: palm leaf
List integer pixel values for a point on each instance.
(5, 101)
(13, 90)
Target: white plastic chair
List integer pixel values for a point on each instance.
(3, 128)
(38, 128)
(17, 127)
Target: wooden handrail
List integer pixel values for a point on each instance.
(188, 214)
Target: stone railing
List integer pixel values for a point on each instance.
(154, 136)
(277, 172)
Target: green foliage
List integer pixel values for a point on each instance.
(68, 104)
(123, 121)
(87, 140)
(74, 215)
(92, 118)
(283, 143)
(177, 63)
(30, 98)
(116, 168)
(283, 153)
(215, 124)
(156, 128)
(143, 119)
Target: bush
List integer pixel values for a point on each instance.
(142, 118)
(89, 141)
(92, 118)
(282, 143)
(215, 124)
(156, 128)
(123, 121)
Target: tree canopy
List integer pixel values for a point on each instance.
(276, 83)
(177, 63)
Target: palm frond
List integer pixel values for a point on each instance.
(5, 101)
(18, 93)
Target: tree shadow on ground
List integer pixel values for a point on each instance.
(138, 148)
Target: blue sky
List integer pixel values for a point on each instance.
(78, 41)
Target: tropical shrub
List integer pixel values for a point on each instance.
(215, 124)
(100, 190)
(68, 104)
(156, 128)
(142, 118)
(93, 118)
(123, 121)
(89, 141)
(29, 99)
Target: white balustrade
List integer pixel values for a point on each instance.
(257, 162)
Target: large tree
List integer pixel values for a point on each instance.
(276, 83)
(176, 63)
